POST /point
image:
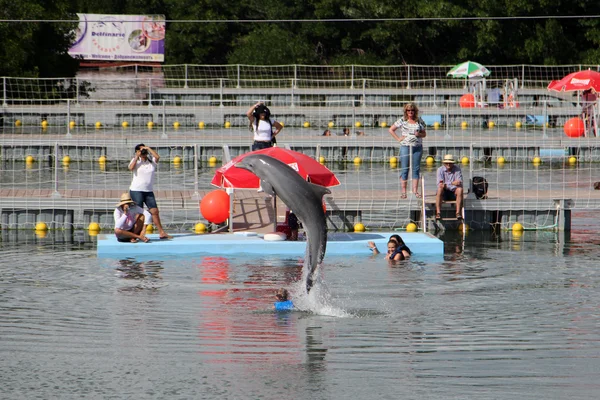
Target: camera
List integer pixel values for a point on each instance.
(144, 152)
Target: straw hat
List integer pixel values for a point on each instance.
(125, 199)
(448, 158)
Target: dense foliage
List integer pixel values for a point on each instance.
(40, 49)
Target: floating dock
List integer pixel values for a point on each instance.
(251, 243)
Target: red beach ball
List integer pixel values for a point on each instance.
(215, 206)
(467, 101)
(574, 127)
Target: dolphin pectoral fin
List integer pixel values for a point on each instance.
(320, 191)
(267, 187)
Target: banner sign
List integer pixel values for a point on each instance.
(120, 38)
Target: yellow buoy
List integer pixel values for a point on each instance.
(517, 227)
(212, 160)
(44, 124)
(518, 124)
(463, 226)
(201, 125)
(72, 124)
(149, 228)
(66, 160)
(29, 159)
(393, 160)
(357, 160)
(41, 234)
(177, 160)
(464, 125)
(102, 159)
(359, 227)
(124, 124)
(411, 227)
(200, 228)
(572, 160)
(465, 160)
(517, 234)
(18, 122)
(330, 124)
(491, 124)
(98, 125)
(94, 227)
(383, 124)
(358, 124)
(322, 160)
(176, 125)
(501, 160)
(436, 125)
(41, 226)
(227, 124)
(537, 160)
(430, 160)
(150, 124)
(306, 124)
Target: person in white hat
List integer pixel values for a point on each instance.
(450, 186)
(130, 221)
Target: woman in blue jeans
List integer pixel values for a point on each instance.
(412, 131)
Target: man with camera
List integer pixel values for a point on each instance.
(144, 166)
(130, 221)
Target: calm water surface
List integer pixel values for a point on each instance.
(497, 317)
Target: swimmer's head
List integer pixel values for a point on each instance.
(282, 295)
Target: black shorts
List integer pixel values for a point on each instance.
(448, 195)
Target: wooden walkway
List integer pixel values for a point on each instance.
(256, 211)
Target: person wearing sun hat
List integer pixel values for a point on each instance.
(450, 186)
(130, 220)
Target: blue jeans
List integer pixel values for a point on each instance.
(417, 153)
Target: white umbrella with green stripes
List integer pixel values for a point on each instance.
(468, 69)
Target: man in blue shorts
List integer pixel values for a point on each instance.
(450, 186)
(143, 165)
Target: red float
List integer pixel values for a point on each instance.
(467, 101)
(215, 206)
(574, 127)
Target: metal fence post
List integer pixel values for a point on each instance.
(164, 120)
(149, 92)
(4, 103)
(56, 195)
(68, 118)
(196, 195)
(185, 82)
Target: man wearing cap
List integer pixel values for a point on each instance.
(144, 165)
(130, 221)
(450, 186)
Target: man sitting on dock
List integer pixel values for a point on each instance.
(450, 186)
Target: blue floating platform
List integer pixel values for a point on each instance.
(338, 243)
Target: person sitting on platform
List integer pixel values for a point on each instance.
(450, 186)
(130, 221)
(283, 302)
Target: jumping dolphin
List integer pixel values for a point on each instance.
(304, 198)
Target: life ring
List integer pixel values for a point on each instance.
(275, 237)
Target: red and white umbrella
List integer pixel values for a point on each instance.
(580, 80)
(229, 176)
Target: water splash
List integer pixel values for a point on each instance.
(318, 301)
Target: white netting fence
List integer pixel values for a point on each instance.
(194, 111)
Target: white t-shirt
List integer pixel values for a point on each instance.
(126, 221)
(264, 132)
(143, 175)
(408, 130)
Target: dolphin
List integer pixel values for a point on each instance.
(304, 198)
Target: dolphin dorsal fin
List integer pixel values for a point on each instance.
(319, 190)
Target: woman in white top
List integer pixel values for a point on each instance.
(130, 221)
(262, 126)
(412, 132)
(143, 165)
